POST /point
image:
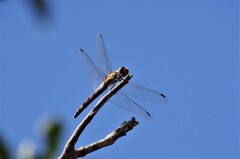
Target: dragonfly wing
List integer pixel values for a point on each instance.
(103, 61)
(95, 74)
(123, 101)
(142, 93)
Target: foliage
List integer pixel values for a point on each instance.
(52, 135)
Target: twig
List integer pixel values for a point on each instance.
(108, 140)
(69, 151)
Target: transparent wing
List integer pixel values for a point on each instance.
(96, 76)
(123, 101)
(142, 93)
(103, 61)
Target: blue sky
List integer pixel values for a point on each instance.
(189, 50)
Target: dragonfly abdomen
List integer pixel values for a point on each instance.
(91, 98)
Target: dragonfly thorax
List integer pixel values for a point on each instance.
(115, 76)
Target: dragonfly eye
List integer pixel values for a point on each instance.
(124, 71)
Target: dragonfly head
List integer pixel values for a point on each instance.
(123, 71)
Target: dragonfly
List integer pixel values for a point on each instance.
(102, 78)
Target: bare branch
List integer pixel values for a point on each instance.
(108, 140)
(69, 151)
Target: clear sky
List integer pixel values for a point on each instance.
(188, 50)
